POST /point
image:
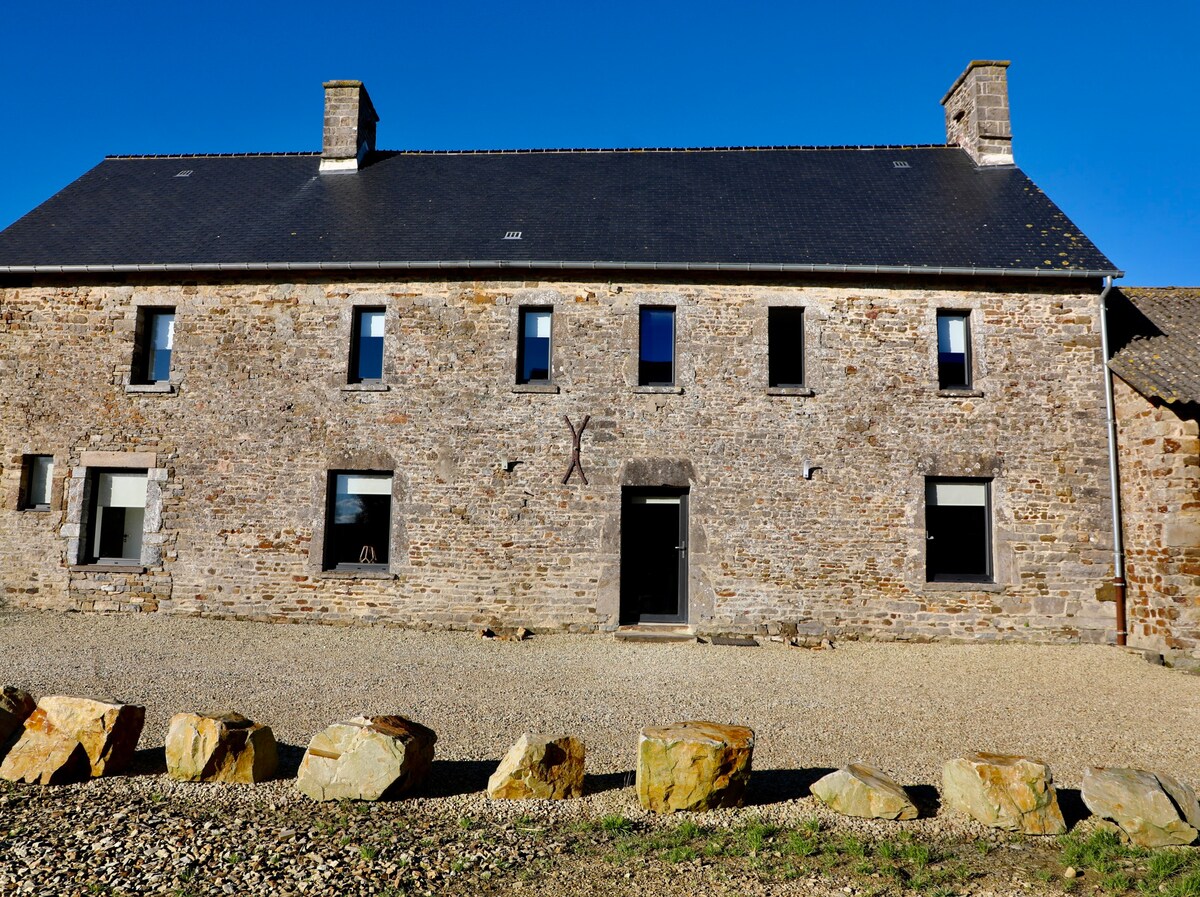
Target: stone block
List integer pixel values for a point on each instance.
(1004, 791)
(693, 765)
(226, 747)
(366, 758)
(539, 767)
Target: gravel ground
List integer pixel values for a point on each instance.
(904, 708)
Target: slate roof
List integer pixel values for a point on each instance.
(1162, 360)
(780, 209)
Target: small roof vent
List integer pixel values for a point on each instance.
(186, 173)
(513, 235)
(901, 165)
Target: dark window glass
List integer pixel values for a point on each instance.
(117, 512)
(533, 363)
(37, 472)
(366, 362)
(155, 342)
(958, 531)
(656, 354)
(954, 350)
(359, 521)
(785, 346)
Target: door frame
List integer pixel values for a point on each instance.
(628, 615)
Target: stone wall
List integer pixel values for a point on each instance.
(1160, 503)
(484, 531)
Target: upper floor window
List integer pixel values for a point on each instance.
(533, 347)
(366, 345)
(155, 341)
(656, 346)
(958, 532)
(37, 473)
(358, 521)
(116, 516)
(785, 346)
(954, 350)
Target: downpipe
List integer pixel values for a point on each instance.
(1113, 469)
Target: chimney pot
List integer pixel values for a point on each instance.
(977, 117)
(349, 126)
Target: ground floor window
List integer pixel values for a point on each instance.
(958, 532)
(116, 517)
(358, 524)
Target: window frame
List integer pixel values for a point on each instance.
(785, 311)
(356, 321)
(968, 349)
(28, 461)
(328, 565)
(140, 373)
(88, 551)
(989, 525)
(522, 314)
(641, 379)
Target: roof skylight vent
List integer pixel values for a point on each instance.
(186, 173)
(513, 235)
(901, 165)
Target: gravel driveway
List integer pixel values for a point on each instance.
(904, 708)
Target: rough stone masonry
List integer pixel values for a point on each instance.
(482, 529)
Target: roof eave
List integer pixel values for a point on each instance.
(497, 264)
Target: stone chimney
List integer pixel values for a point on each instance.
(977, 113)
(349, 126)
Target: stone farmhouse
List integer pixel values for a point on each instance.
(856, 391)
(1157, 362)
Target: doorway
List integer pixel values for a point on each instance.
(654, 549)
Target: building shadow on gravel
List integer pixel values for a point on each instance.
(449, 778)
(607, 781)
(772, 786)
(1074, 810)
(927, 799)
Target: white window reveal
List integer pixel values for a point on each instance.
(37, 476)
(118, 516)
(954, 350)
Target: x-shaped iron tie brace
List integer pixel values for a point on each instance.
(576, 464)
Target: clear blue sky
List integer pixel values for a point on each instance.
(1105, 114)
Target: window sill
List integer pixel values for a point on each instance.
(658, 390)
(39, 509)
(150, 388)
(354, 574)
(960, 393)
(109, 568)
(961, 586)
(789, 391)
(546, 388)
(371, 386)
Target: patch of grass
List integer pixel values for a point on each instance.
(466, 823)
(1099, 851)
(1116, 883)
(681, 854)
(615, 824)
(368, 853)
(918, 855)
(756, 835)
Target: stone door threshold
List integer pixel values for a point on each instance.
(655, 632)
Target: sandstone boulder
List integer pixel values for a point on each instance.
(1153, 809)
(539, 767)
(861, 790)
(693, 766)
(366, 759)
(15, 707)
(204, 747)
(1005, 792)
(69, 739)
